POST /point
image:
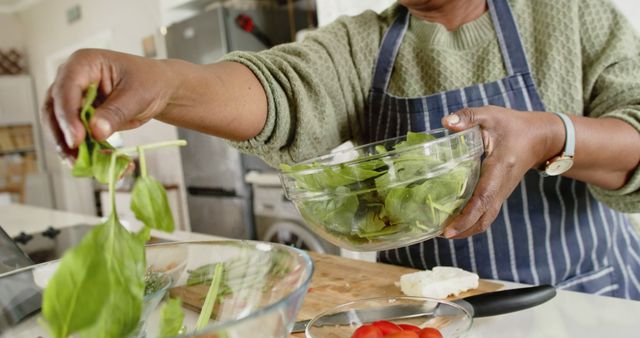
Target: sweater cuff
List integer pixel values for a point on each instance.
(627, 198)
(256, 145)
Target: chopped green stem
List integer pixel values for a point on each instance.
(174, 143)
(210, 301)
(112, 183)
(143, 162)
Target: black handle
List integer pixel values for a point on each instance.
(211, 192)
(501, 302)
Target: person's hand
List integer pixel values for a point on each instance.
(514, 142)
(131, 91)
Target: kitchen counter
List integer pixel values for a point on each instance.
(337, 280)
(16, 218)
(570, 314)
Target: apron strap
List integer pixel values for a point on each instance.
(389, 50)
(513, 54)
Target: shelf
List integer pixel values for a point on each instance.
(18, 151)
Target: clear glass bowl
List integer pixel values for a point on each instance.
(262, 289)
(387, 194)
(449, 318)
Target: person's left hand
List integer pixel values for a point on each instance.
(514, 142)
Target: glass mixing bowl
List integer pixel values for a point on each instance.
(387, 194)
(262, 289)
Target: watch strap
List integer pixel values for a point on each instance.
(570, 135)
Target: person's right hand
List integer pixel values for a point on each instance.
(132, 90)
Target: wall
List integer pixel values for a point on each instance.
(116, 24)
(11, 33)
(329, 10)
(632, 9)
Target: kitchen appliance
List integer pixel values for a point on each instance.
(18, 295)
(11, 255)
(214, 171)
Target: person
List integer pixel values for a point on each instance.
(550, 83)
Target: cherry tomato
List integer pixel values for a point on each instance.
(409, 327)
(386, 327)
(367, 331)
(430, 332)
(402, 334)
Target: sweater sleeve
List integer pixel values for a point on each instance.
(611, 69)
(316, 89)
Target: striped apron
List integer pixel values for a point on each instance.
(550, 230)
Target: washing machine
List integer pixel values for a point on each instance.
(276, 218)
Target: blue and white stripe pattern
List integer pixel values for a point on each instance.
(550, 230)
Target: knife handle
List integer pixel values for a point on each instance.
(501, 302)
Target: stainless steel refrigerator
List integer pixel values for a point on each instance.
(218, 198)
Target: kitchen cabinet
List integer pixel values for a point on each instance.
(20, 140)
(17, 101)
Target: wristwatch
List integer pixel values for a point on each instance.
(564, 161)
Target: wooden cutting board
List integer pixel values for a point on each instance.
(338, 280)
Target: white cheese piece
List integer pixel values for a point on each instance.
(439, 283)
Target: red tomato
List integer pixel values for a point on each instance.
(430, 332)
(387, 327)
(409, 327)
(367, 331)
(402, 334)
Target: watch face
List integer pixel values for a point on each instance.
(559, 166)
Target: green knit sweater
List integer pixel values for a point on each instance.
(584, 55)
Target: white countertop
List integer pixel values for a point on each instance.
(16, 218)
(568, 315)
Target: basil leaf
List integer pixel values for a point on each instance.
(75, 294)
(82, 166)
(150, 204)
(87, 105)
(101, 160)
(125, 263)
(98, 288)
(171, 318)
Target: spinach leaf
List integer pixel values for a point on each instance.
(413, 139)
(331, 177)
(171, 318)
(337, 212)
(371, 222)
(150, 204)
